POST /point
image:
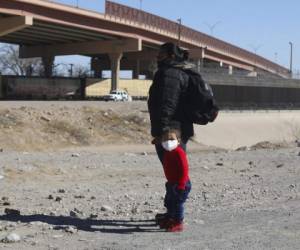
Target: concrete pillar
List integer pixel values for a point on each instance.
(202, 57)
(151, 69)
(96, 67)
(48, 65)
(97, 72)
(115, 59)
(198, 65)
(136, 71)
(198, 56)
(82, 88)
(230, 70)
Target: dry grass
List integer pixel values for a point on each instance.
(135, 119)
(42, 129)
(296, 131)
(8, 119)
(69, 131)
(294, 128)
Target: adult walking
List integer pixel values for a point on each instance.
(167, 97)
(171, 131)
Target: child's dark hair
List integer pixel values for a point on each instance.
(171, 132)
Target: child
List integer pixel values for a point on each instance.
(178, 184)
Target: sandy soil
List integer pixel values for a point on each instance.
(102, 190)
(236, 129)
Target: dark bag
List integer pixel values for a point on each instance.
(200, 105)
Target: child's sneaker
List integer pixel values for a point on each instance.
(174, 226)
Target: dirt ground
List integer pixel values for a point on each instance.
(82, 175)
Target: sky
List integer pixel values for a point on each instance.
(264, 27)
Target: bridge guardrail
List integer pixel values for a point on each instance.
(139, 17)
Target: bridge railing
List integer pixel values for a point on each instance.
(142, 18)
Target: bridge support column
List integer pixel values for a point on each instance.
(115, 59)
(98, 73)
(136, 71)
(230, 70)
(198, 56)
(95, 67)
(198, 65)
(151, 69)
(48, 65)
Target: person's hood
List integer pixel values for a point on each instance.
(175, 64)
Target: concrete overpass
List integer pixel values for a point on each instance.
(121, 38)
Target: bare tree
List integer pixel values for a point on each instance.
(10, 63)
(81, 71)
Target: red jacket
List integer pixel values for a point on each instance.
(176, 167)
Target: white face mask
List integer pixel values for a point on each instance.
(170, 145)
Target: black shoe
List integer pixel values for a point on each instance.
(160, 217)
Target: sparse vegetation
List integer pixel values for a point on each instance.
(296, 131)
(64, 126)
(69, 131)
(8, 119)
(11, 64)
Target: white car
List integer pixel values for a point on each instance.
(117, 95)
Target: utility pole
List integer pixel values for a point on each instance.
(255, 48)
(291, 59)
(179, 30)
(141, 4)
(212, 27)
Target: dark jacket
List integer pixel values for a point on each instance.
(166, 98)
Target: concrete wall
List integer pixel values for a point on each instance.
(230, 91)
(21, 87)
(225, 79)
(236, 129)
(242, 96)
(98, 87)
(243, 91)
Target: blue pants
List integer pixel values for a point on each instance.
(174, 200)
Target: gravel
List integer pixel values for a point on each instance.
(107, 197)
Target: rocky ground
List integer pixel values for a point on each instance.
(31, 126)
(101, 190)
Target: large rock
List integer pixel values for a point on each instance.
(107, 208)
(12, 212)
(11, 238)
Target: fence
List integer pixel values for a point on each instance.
(14, 87)
(231, 92)
(99, 87)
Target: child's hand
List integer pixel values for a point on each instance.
(178, 191)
